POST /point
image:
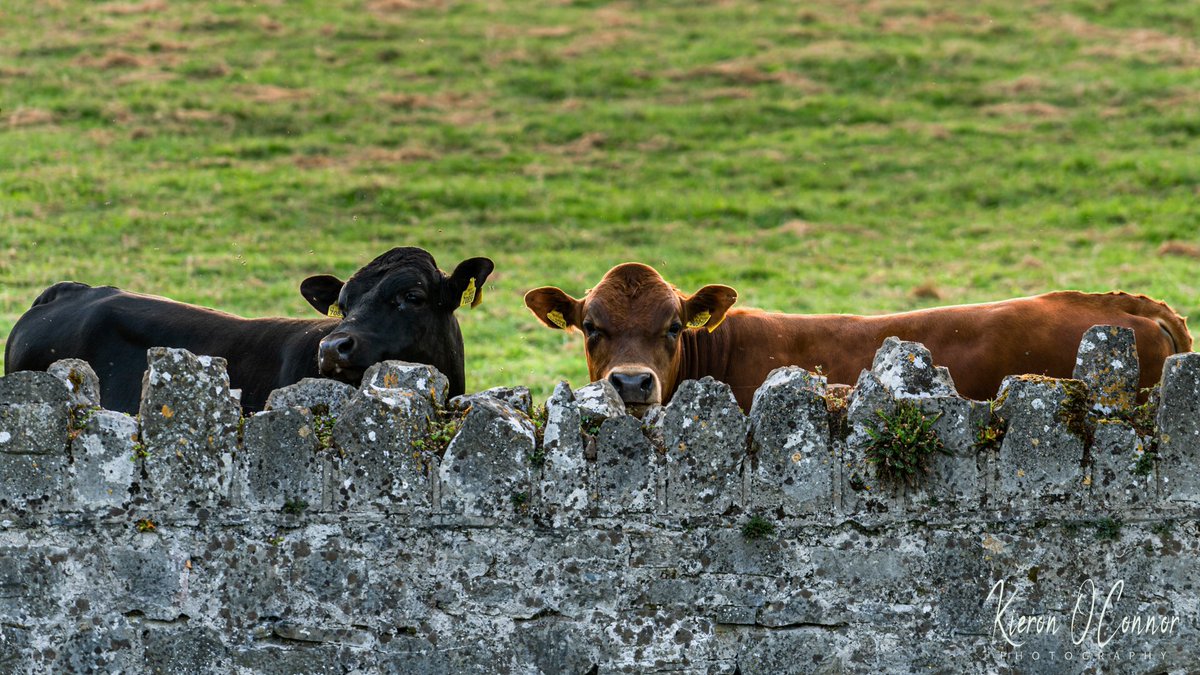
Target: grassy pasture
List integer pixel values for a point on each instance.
(830, 156)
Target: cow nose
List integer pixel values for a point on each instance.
(337, 350)
(633, 387)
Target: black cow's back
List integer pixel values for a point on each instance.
(111, 329)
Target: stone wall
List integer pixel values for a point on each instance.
(385, 529)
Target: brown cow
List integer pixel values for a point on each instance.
(636, 328)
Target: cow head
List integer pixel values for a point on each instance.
(400, 306)
(634, 323)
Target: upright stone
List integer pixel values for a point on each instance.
(34, 420)
(953, 482)
(598, 401)
(563, 483)
(794, 461)
(189, 427)
(626, 469)
(486, 472)
(517, 397)
(1107, 363)
(380, 465)
(705, 435)
(417, 377)
(1179, 428)
(281, 466)
(318, 395)
(907, 370)
(80, 380)
(859, 489)
(1041, 455)
(1123, 472)
(104, 459)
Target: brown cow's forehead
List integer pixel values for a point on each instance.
(631, 296)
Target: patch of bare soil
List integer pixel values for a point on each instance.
(442, 100)
(549, 31)
(267, 93)
(366, 156)
(749, 73)
(396, 6)
(1134, 44)
(926, 291)
(29, 117)
(594, 42)
(1024, 109)
(191, 115)
(115, 59)
(1179, 248)
(1025, 84)
(129, 8)
(145, 76)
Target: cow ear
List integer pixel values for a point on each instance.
(707, 306)
(465, 287)
(553, 307)
(322, 293)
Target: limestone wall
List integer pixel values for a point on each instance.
(385, 529)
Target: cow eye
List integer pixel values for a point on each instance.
(673, 331)
(414, 298)
(589, 329)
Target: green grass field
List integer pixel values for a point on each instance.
(819, 157)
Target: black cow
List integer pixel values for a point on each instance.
(400, 306)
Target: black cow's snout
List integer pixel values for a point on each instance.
(633, 387)
(336, 354)
(340, 346)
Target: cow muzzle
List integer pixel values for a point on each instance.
(335, 358)
(638, 387)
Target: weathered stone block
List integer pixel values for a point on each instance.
(804, 650)
(953, 482)
(30, 580)
(33, 455)
(598, 401)
(860, 490)
(379, 465)
(187, 649)
(1179, 428)
(81, 381)
(907, 370)
(486, 472)
(108, 646)
(189, 427)
(563, 486)
(517, 397)
(34, 421)
(1107, 363)
(794, 460)
(705, 435)
(281, 466)
(627, 468)
(319, 395)
(104, 459)
(1041, 456)
(150, 580)
(417, 377)
(556, 646)
(1123, 472)
(31, 386)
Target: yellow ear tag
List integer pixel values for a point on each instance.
(334, 312)
(468, 295)
(557, 319)
(714, 326)
(699, 320)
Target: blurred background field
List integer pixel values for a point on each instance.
(833, 156)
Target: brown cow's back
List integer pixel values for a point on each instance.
(980, 344)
